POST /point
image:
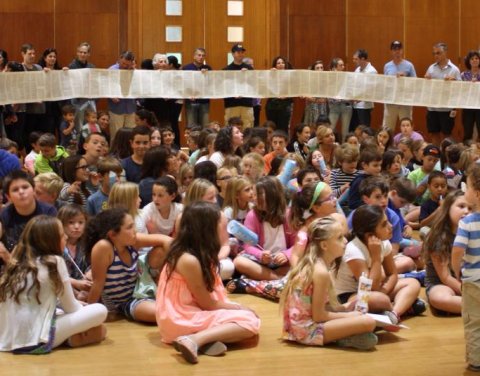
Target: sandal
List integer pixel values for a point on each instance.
(213, 349)
(187, 347)
(237, 286)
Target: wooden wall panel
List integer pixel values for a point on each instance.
(25, 22)
(469, 28)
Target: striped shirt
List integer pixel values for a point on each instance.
(340, 178)
(120, 281)
(468, 238)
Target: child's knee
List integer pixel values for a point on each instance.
(413, 285)
(379, 302)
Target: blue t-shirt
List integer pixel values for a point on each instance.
(13, 223)
(70, 139)
(406, 67)
(133, 171)
(394, 221)
(97, 202)
(427, 208)
(397, 212)
(468, 238)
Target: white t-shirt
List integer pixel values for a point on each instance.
(356, 250)
(162, 225)
(28, 323)
(218, 158)
(274, 238)
(241, 214)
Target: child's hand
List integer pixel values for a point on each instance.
(266, 257)
(280, 259)
(344, 187)
(84, 285)
(74, 188)
(4, 254)
(150, 225)
(374, 245)
(407, 232)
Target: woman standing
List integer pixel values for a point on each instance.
(53, 109)
(316, 108)
(472, 74)
(279, 110)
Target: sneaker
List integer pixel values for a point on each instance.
(418, 307)
(392, 316)
(473, 368)
(364, 341)
(419, 276)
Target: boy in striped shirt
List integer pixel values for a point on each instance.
(467, 245)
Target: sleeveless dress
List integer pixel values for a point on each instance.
(179, 314)
(298, 324)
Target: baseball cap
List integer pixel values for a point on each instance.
(238, 47)
(395, 45)
(432, 150)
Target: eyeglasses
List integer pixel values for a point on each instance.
(330, 198)
(81, 167)
(228, 177)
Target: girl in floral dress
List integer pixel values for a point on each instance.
(311, 312)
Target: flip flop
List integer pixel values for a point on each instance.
(187, 347)
(213, 349)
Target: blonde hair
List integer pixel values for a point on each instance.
(234, 187)
(50, 181)
(301, 276)
(466, 158)
(184, 170)
(124, 195)
(232, 170)
(257, 160)
(232, 161)
(322, 131)
(196, 191)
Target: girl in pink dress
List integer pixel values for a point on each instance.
(193, 312)
(311, 313)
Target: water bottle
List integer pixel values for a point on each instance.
(242, 233)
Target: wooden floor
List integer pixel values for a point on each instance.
(432, 346)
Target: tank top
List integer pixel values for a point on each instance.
(120, 281)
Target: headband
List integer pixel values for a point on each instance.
(318, 189)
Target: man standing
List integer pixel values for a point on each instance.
(81, 104)
(399, 67)
(362, 111)
(35, 112)
(198, 109)
(239, 107)
(122, 111)
(440, 121)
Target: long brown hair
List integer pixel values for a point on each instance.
(271, 192)
(198, 236)
(440, 239)
(40, 240)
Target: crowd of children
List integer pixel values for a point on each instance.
(142, 229)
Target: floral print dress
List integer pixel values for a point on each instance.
(298, 324)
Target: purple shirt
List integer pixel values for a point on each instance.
(415, 136)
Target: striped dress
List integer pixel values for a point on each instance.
(120, 281)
